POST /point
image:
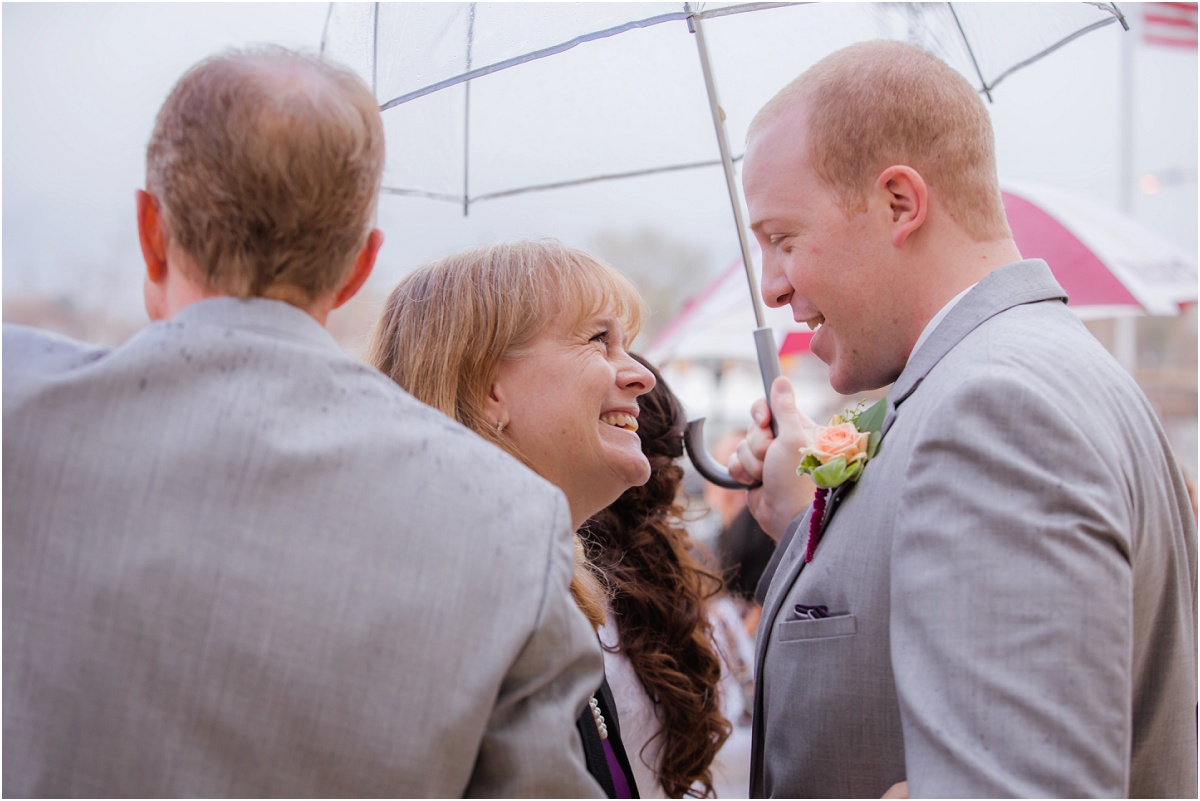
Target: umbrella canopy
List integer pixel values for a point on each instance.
(483, 101)
(1109, 263)
(486, 100)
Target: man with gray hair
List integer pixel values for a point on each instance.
(238, 562)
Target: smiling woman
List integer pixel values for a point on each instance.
(570, 402)
(526, 344)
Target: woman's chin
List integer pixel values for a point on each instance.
(622, 474)
(633, 471)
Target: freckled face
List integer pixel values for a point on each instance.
(570, 400)
(828, 267)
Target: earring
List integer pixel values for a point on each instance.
(499, 426)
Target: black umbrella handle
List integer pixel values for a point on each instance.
(706, 465)
(693, 439)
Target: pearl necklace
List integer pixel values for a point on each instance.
(599, 718)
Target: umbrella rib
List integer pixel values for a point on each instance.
(395, 190)
(1064, 41)
(375, 51)
(523, 59)
(743, 8)
(595, 178)
(970, 51)
(325, 29)
(471, 74)
(466, 203)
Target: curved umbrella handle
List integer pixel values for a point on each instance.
(693, 438)
(706, 465)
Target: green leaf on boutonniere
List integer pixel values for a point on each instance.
(836, 472)
(872, 419)
(809, 463)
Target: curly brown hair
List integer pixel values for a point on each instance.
(660, 589)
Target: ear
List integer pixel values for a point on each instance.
(152, 237)
(907, 199)
(363, 265)
(495, 405)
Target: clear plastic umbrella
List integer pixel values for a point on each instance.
(484, 101)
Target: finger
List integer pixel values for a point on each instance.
(748, 464)
(783, 403)
(761, 413)
(897, 790)
(758, 440)
(794, 425)
(739, 473)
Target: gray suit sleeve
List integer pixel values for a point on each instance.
(1011, 603)
(531, 748)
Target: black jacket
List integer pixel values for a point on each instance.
(593, 746)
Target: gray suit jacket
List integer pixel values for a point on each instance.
(239, 563)
(1011, 584)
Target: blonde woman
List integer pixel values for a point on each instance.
(526, 344)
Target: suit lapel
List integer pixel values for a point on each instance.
(786, 563)
(791, 561)
(787, 559)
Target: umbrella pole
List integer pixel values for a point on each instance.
(466, 195)
(764, 336)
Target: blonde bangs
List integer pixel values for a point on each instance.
(589, 287)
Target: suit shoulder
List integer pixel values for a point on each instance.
(1036, 344)
(36, 349)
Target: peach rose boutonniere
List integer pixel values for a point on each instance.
(838, 454)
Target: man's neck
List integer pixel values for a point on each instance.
(947, 271)
(959, 264)
(179, 290)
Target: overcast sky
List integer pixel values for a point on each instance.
(82, 82)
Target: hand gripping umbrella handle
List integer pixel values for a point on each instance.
(693, 439)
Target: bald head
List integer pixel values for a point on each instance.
(267, 165)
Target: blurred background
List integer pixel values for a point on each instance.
(1110, 118)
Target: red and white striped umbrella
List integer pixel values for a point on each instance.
(1109, 263)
